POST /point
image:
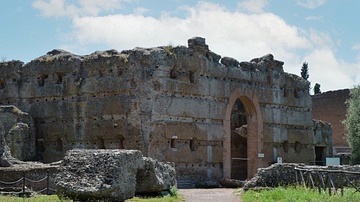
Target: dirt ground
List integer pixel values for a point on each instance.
(210, 195)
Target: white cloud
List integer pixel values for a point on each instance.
(331, 73)
(310, 3)
(320, 39)
(140, 11)
(253, 6)
(356, 47)
(60, 8)
(228, 33)
(314, 18)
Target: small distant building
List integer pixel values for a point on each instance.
(330, 107)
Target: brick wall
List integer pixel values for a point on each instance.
(330, 107)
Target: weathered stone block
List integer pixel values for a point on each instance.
(20, 142)
(4, 149)
(99, 174)
(19, 132)
(155, 176)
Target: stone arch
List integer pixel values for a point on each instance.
(249, 99)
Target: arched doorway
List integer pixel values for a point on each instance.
(238, 122)
(242, 154)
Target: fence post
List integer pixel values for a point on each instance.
(47, 182)
(329, 182)
(24, 181)
(341, 179)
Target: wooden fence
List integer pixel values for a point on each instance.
(331, 181)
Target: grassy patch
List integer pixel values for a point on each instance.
(55, 198)
(173, 196)
(38, 198)
(157, 199)
(292, 194)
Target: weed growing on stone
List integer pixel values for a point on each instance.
(173, 192)
(173, 196)
(169, 50)
(123, 57)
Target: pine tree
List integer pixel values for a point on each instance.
(305, 71)
(317, 89)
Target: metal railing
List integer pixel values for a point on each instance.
(26, 184)
(331, 181)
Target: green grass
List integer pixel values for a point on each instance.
(38, 198)
(157, 199)
(173, 196)
(292, 194)
(55, 198)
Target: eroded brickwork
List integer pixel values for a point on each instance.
(172, 103)
(330, 107)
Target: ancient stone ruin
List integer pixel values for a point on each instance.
(285, 174)
(17, 136)
(213, 116)
(111, 175)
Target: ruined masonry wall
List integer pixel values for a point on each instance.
(330, 106)
(168, 102)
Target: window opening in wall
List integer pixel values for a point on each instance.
(191, 76)
(2, 84)
(59, 79)
(101, 143)
(193, 144)
(239, 158)
(59, 144)
(173, 142)
(121, 142)
(172, 74)
(284, 92)
(286, 146)
(41, 79)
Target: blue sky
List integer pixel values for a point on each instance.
(323, 33)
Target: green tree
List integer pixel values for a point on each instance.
(317, 89)
(352, 124)
(305, 71)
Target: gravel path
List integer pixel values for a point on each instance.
(210, 195)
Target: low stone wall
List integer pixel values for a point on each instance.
(281, 174)
(33, 171)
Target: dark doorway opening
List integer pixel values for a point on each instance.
(239, 157)
(319, 156)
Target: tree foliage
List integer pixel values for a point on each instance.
(352, 124)
(317, 89)
(305, 71)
